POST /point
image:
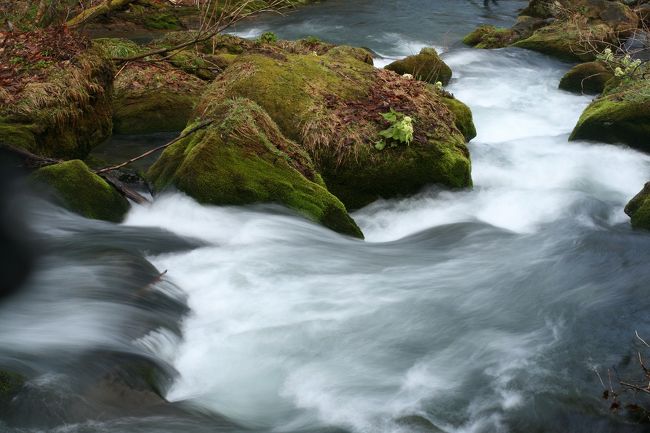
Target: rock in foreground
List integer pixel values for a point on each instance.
(82, 191)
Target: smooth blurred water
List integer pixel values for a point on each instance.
(484, 310)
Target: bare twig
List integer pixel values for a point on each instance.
(149, 152)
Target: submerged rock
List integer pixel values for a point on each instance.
(332, 104)
(620, 115)
(58, 106)
(426, 66)
(10, 384)
(588, 78)
(638, 209)
(243, 158)
(82, 191)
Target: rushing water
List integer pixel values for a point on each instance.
(463, 311)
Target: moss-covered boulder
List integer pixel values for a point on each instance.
(58, 102)
(10, 385)
(82, 191)
(566, 40)
(332, 105)
(243, 158)
(620, 115)
(488, 36)
(571, 30)
(588, 78)
(638, 209)
(426, 66)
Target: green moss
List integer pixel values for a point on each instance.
(400, 172)
(82, 191)
(244, 158)
(464, 121)
(638, 209)
(589, 78)
(488, 36)
(17, 135)
(425, 66)
(622, 115)
(162, 21)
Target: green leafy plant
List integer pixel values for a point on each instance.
(622, 66)
(399, 131)
(268, 38)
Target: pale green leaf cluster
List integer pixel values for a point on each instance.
(400, 130)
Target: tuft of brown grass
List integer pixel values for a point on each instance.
(351, 126)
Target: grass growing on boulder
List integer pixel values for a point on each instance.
(331, 104)
(243, 158)
(65, 104)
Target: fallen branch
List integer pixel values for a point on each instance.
(149, 152)
(36, 161)
(95, 11)
(126, 191)
(223, 22)
(32, 160)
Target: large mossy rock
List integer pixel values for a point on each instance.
(332, 105)
(82, 191)
(243, 158)
(588, 78)
(150, 97)
(620, 115)
(426, 66)
(638, 209)
(60, 105)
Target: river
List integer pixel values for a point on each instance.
(485, 310)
